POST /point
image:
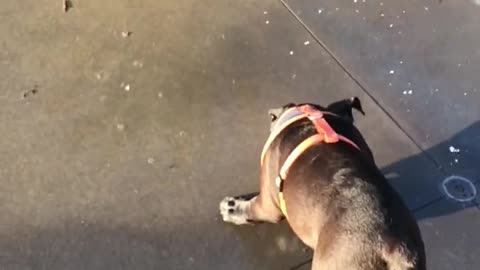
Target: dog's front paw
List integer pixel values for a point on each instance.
(234, 210)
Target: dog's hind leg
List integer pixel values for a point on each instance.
(248, 209)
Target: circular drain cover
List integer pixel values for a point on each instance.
(459, 188)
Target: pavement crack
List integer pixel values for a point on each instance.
(363, 88)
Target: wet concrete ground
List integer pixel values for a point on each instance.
(123, 123)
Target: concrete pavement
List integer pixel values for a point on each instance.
(123, 123)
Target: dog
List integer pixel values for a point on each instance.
(319, 174)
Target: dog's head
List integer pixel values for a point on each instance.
(343, 108)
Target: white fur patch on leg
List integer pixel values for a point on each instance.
(233, 210)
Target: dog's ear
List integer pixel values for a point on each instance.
(356, 104)
(344, 107)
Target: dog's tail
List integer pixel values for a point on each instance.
(397, 255)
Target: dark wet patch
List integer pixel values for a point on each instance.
(31, 92)
(67, 5)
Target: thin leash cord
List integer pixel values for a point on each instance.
(301, 264)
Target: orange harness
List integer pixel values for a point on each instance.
(325, 133)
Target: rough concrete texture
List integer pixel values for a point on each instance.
(123, 124)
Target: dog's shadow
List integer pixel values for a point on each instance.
(420, 179)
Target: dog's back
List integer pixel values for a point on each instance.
(334, 196)
(356, 220)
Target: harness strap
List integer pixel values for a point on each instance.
(299, 150)
(277, 132)
(325, 133)
(303, 112)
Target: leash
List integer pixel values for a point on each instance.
(325, 133)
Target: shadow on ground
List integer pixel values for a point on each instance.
(415, 182)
